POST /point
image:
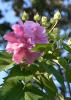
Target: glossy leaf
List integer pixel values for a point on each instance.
(66, 47)
(5, 61)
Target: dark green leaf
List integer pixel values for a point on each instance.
(42, 47)
(15, 90)
(12, 90)
(59, 97)
(18, 74)
(5, 61)
(51, 70)
(66, 47)
(63, 62)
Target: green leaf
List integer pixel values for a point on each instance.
(12, 90)
(49, 85)
(15, 90)
(18, 74)
(63, 62)
(51, 70)
(33, 89)
(5, 61)
(42, 47)
(59, 97)
(66, 47)
(29, 96)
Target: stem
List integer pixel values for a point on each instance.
(53, 27)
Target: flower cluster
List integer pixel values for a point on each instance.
(23, 38)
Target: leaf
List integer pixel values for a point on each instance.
(49, 85)
(66, 47)
(51, 70)
(5, 67)
(30, 96)
(32, 88)
(15, 90)
(12, 90)
(5, 61)
(18, 74)
(63, 62)
(66, 67)
(59, 97)
(42, 47)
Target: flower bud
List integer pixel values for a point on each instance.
(52, 20)
(36, 17)
(44, 21)
(24, 16)
(55, 31)
(69, 42)
(57, 15)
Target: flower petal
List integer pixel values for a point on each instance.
(35, 31)
(18, 56)
(32, 56)
(9, 48)
(11, 37)
(18, 29)
(13, 46)
(41, 39)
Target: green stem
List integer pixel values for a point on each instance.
(53, 27)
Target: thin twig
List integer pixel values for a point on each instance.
(53, 27)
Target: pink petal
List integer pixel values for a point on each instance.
(18, 29)
(41, 39)
(31, 27)
(18, 56)
(28, 29)
(10, 37)
(13, 46)
(9, 48)
(35, 31)
(32, 56)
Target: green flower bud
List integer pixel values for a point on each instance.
(57, 15)
(52, 21)
(50, 52)
(24, 16)
(40, 59)
(69, 42)
(55, 31)
(48, 62)
(44, 21)
(36, 17)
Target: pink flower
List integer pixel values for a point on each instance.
(22, 40)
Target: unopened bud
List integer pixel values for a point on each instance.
(52, 20)
(44, 20)
(69, 42)
(57, 15)
(36, 17)
(24, 16)
(55, 31)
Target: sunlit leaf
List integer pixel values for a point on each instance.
(5, 61)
